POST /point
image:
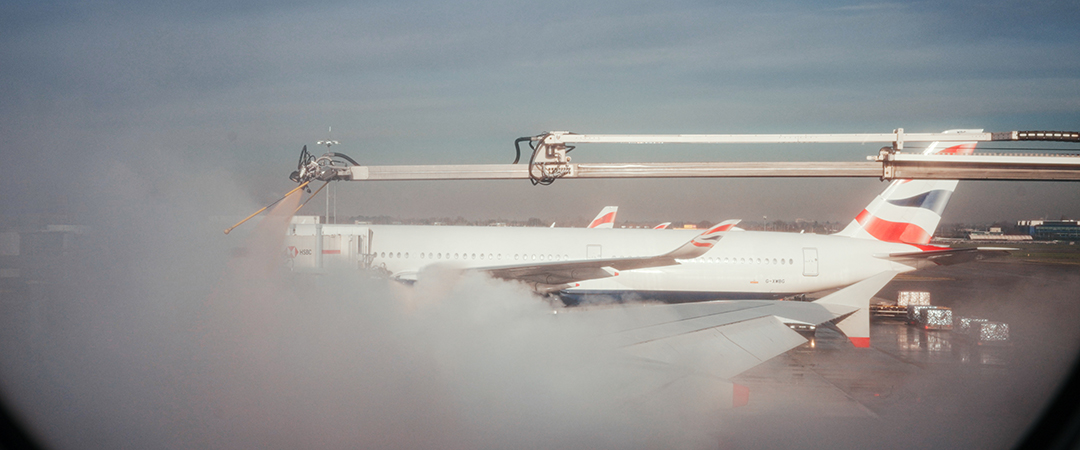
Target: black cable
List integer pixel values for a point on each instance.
(543, 179)
(343, 156)
(517, 146)
(304, 157)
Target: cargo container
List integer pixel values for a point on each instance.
(982, 331)
(913, 313)
(991, 332)
(965, 325)
(936, 318)
(917, 298)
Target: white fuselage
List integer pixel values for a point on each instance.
(743, 264)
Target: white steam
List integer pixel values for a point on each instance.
(179, 338)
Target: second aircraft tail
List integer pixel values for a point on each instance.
(909, 210)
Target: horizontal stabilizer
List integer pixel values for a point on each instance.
(721, 351)
(854, 302)
(950, 256)
(692, 342)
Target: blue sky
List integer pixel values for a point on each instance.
(229, 91)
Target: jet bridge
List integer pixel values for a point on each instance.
(549, 160)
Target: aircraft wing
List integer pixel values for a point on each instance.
(688, 355)
(720, 338)
(949, 256)
(557, 274)
(568, 272)
(693, 345)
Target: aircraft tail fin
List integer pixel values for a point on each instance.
(852, 304)
(606, 218)
(909, 210)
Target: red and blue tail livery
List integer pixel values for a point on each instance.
(909, 210)
(606, 218)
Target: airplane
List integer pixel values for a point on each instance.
(720, 285)
(891, 235)
(606, 218)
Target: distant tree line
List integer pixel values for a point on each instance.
(796, 226)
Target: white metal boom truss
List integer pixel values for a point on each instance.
(549, 160)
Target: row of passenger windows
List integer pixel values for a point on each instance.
(477, 256)
(763, 261)
(535, 257)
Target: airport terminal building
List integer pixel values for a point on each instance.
(1051, 230)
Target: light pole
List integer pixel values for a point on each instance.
(328, 143)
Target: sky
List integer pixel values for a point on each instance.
(204, 91)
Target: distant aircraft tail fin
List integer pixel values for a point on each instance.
(606, 218)
(909, 210)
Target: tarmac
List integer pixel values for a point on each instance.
(916, 388)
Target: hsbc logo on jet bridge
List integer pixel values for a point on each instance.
(292, 251)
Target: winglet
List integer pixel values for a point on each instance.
(662, 226)
(853, 305)
(702, 242)
(728, 225)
